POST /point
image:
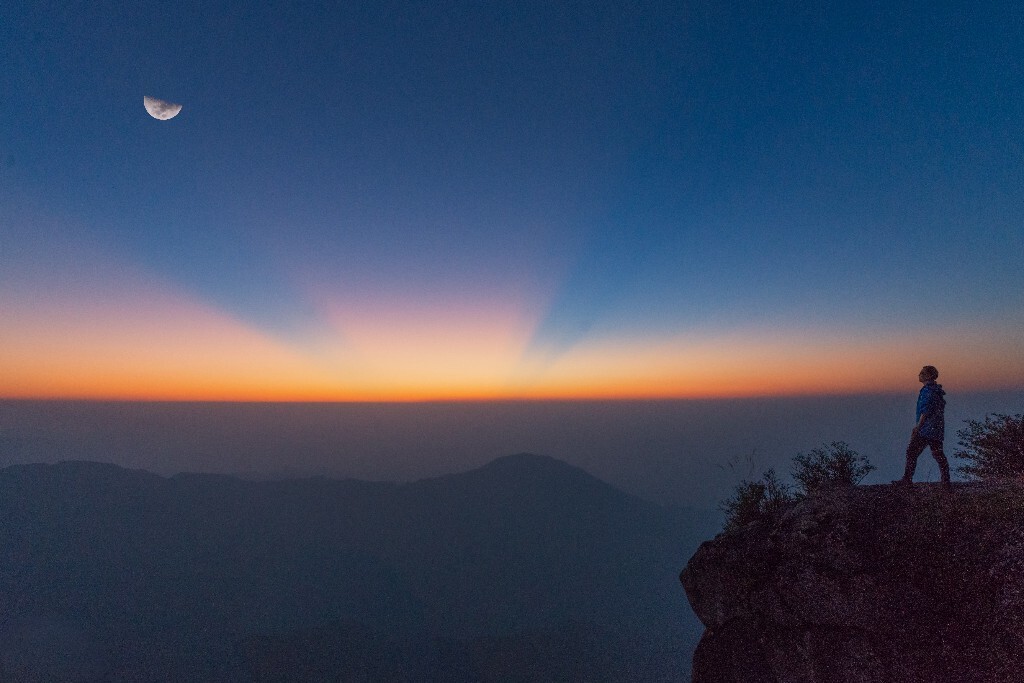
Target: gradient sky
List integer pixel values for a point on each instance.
(393, 201)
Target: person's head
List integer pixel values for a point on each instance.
(928, 374)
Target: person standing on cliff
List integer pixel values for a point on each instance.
(930, 429)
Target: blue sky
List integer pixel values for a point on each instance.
(593, 182)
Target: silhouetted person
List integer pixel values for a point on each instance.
(930, 429)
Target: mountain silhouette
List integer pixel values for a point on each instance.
(525, 568)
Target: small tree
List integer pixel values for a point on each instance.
(833, 465)
(993, 448)
(776, 494)
(745, 505)
(829, 466)
(754, 500)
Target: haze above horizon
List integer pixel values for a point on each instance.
(411, 202)
(679, 452)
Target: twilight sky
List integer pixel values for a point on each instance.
(445, 200)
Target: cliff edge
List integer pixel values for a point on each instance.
(867, 583)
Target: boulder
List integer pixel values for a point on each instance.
(867, 583)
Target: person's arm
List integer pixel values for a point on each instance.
(929, 408)
(924, 413)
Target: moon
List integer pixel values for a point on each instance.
(160, 109)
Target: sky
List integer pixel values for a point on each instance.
(377, 201)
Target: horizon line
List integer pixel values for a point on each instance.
(498, 399)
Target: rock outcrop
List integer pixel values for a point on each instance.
(867, 584)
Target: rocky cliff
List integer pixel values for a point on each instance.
(868, 583)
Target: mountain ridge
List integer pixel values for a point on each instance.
(518, 464)
(493, 561)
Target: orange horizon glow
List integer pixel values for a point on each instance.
(221, 360)
(89, 327)
(140, 342)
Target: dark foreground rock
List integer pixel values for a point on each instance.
(868, 583)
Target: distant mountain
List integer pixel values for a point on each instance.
(524, 569)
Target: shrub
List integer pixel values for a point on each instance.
(833, 465)
(754, 500)
(745, 505)
(993, 448)
(829, 466)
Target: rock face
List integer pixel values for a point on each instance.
(867, 583)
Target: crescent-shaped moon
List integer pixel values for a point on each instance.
(160, 109)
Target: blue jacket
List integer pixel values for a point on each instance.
(931, 404)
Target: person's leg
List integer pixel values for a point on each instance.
(940, 457)
(914, 449)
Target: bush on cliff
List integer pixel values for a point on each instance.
(993, 449)
(822, 468)
(754, 500)
(829, 466)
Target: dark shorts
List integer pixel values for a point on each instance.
(918, 444)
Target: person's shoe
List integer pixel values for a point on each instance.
(902, 482)
(947, 487)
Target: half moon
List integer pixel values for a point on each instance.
(160, 109)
